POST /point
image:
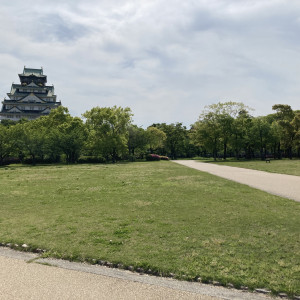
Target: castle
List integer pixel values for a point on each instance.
(31, 98)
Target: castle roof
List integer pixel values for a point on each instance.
(35, 72)
(15, 89)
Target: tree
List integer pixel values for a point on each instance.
(176, 139)
(71, 136)
(241, 127)
(216, 124)
(275, 140)
(50, 136)
(296, 124)
(284, 117)
(206, 133)
(8, 122)
(261, 135)
(6, 142)
(29, 139)
(65, 134)
(137, 141)
(225, 114)
(108, 130)
(55, 125)
(155, 138)
(57, 117)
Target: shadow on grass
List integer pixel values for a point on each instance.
(242, 160)
(229, 160)
(61, 165)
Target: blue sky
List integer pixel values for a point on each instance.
(166, 60)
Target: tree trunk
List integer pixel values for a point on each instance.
(114, 155)
(225, 150)
(279, 151)
(261, 153)
(33, 159)
(290, 151)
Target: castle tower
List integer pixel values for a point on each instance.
(31, 98)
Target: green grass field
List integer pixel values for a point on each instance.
(155, 215)
(283, 166)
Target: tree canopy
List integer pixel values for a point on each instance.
(108, 134)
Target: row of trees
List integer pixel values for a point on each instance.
(107, 134)
(229, 128)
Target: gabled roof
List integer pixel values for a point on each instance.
(14, 109)
(32, 84)
(31, 97)
(46, 110)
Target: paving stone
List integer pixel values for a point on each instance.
(263, 291)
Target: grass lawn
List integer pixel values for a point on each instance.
(283, 166)
(155, 215)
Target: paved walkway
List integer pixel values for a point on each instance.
(286, 186)
(26, 276)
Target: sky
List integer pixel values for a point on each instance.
(166, 60)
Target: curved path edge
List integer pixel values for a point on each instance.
(26, 275)
(287, 186)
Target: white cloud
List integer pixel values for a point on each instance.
(165, 60)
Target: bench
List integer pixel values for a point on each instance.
(268, 158)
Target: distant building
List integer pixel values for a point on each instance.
(31, 98)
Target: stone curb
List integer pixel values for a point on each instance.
(140, 271)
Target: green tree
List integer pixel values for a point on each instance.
(8, 123)
(30, 139)
(50, 136)
(54, 143)
(296, 124)
(176, 139)
(241, 127)
(108, 130)
(206, 133)
(284, 117)
(64, 134)
(155, 138)
(261, 134)
(225, 114)
(71, 136)
(137, 141)
(7, 142)
(57, 117)
(221, 123)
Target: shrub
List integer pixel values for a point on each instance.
(10, 160)
(91, 159)
(152, 157)
(164, 157)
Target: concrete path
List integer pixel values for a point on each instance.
(286, 186)
(26, 276)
